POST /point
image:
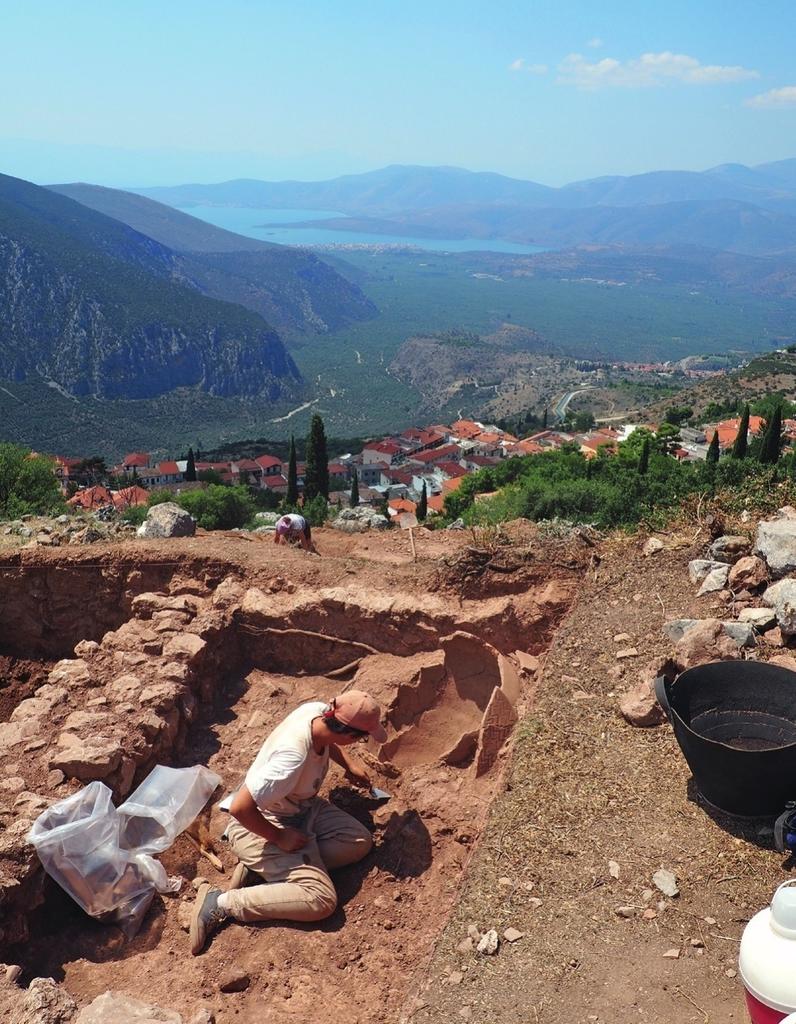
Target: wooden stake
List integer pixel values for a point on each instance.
(412, 542)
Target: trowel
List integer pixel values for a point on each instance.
(379, 794)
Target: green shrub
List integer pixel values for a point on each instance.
(27, 484)
(160, 497)
(136, 514)
(316, 510)
(217, 507)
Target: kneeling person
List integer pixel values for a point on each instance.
(293, 527)
(283, 831)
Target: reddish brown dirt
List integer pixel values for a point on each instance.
(360, 963)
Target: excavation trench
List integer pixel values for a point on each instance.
(186, 664)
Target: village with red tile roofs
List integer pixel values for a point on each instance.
(391, 469)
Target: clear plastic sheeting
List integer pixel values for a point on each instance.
(102, 856)
(165, 804)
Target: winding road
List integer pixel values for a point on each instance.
(560, 408)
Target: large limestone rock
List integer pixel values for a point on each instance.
(86, 762)
(698, 568)
(776, 543)
(356, 520)
(782, 598)
(639, 706)
(704, 642)
(118, 1008)
(167, 520)
(43, 1002)
(728, 548)
(748, 573)
(715, 580)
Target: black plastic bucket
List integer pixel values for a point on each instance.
(735, 722)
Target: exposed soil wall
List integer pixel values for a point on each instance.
(178, 661)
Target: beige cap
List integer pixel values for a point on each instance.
(360, 711)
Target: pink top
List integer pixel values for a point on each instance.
(290, 523)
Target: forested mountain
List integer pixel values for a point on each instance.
(292, 288)
(99, 309)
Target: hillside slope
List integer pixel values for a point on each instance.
(95, 307)
(292, 288)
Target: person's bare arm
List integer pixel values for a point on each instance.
(245, 810)
(354, 768)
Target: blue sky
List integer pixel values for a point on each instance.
(157, 93)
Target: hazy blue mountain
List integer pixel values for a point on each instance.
(398, 189)
(292, 288)
(377, 193)
(99, 309)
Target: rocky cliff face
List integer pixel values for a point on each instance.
(94, 307)
(54, 328)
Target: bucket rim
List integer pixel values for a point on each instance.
(717, 744)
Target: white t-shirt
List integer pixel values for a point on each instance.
(291, 523)
(287, 773)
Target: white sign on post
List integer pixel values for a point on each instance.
(408, 521)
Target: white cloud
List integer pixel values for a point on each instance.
(532, 69)
(595, 43)
(650, 69)
(784, 97)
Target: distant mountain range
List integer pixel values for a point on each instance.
(733, 207)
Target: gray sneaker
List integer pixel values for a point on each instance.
(206, 917)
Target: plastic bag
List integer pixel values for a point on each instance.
(103, 858)
(165, 804)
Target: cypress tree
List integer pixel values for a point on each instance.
(422, 505)
(741, 442)
(354, 500)
(316, 474)
(292, 475)
(544, 420)
(190, 469)
(644, 458)
(713, 449)
(769, 451)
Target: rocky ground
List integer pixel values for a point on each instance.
(600, 888)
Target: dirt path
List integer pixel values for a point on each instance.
(586, 789)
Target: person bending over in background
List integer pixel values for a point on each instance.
(285, 836)
(293, 527)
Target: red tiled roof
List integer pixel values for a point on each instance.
(168, 469)
(399, 476)
(402, 505)
(482, 460)
(91, 497)
(422, 437)
(248, 465)
(127, 497)
(337, 469)
(442, 454)
(436, 503)
(453, 469)
(465, 428)
(136, 459)
(275, 481)
(486, 438)
(267, 461)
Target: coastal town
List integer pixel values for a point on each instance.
(395, 470)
